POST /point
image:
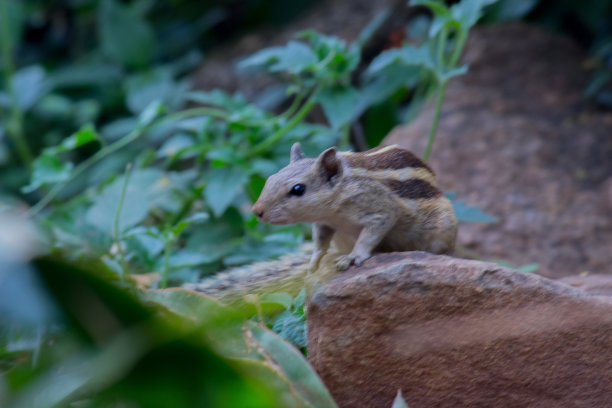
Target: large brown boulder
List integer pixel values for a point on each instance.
(458, 333)
(517, 139)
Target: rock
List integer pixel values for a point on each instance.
(458, 333)
(517, 140)
(591, 284)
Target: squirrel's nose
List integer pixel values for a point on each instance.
(258, 210)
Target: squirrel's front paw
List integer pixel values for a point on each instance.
(345, 261)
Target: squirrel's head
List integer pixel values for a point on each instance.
(302, 191)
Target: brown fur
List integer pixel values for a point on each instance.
(384, 199)
(413, 189)
(390, 159)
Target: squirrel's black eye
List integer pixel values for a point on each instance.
(297, 190)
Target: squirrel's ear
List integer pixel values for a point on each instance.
(329, 165)
(296, 152)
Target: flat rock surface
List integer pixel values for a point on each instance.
(458, 333)
(517, 139)
(591, 284)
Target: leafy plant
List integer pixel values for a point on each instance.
(155, 348)
(467, 213)
(221, 140)
(291, 323)
(527, 268)
(437, 59)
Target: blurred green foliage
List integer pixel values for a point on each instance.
(99, 342)
(128, 171)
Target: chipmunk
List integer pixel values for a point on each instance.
(381, 200)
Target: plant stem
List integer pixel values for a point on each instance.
(436, 119)
(166, 270)
(442, 47)
(113, 147)
(293, 122)
(458, 48)
(345, 136)
(201, 111)
(84, 165)
(116, 232)
(15, 122)
(454, 59)
(419, 97)
(297, 100)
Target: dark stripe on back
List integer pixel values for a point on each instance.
(393, 159)
(412, 188)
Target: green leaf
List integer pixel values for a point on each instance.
(218, 237)
(505, 10)
(84, 372)
(218, 98)
(293, 366)
(261, 59)
(47, 169)
(527, 268)
(437, 24)
(144, 188)
(462, 70)
(15, 18)
(280, 298)
(299, 302)
(223, 186)
(84, 75)
(150, 113)
(188, 259)
(177, 146)
(271, 246)
(407, 55)
(195, 218)
(84, 135)
(24, 300)
(385, 83)
(145, 240)
(87, 111)
(29, 86)
(205, 311)
(292, 328)
(125, 36)
(295, 57)
(225, 155)
(194, 306)
(467, 213)
(399, 402)
(468, 12)
(338, 103)
(158, 84)
(54, 106)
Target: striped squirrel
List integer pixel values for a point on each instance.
(381, 200)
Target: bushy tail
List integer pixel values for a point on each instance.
(286, 274)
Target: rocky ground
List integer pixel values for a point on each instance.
(453, 333)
